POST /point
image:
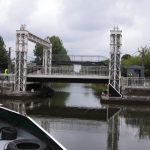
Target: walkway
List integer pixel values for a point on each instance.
(86, 74)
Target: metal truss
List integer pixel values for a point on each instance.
(114, 66)
(47, 58)
(23, 36)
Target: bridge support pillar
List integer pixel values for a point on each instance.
(114, 66)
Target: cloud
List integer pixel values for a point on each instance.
(16, 12)
(83, 25)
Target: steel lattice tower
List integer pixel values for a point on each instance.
(21, 59)
(23, 36)
(114, 66)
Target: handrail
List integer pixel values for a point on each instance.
(135, 82)
(69, 70)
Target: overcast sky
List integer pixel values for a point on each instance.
(83, 25)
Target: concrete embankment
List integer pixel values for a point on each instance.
(130, 96)
(136, 91)
(6, 92)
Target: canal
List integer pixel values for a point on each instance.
(126, 129)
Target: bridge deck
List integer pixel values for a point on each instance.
(68, 78)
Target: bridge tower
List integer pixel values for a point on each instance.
(22, 38)
(114, 66)
(47, 58)
(21, 59)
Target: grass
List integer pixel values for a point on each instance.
(97, 88)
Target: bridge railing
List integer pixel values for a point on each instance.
(135, 82)
(7, 81)
(7, 78)
(69, 70)
(80, 58)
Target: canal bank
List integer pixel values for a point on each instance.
(33, 91)
(130, 96)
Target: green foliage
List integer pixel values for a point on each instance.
(59, 53)
(3, 55)
(134, 60)
(128, 61)
(126, 56)
(38, 52)
(105, 62)
(147, 61)
(97, 88)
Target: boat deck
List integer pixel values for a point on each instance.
(18, 131)
(21, 134)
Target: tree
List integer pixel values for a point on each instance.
(3, 55)
(126, 56)
(145, 59)
(59, 53)
(38, 52)
(142, 59)
(127, 61)
(133, 60)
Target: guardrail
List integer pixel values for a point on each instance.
(135, 82)
(80, 58)
(69, 70)
(7, 78)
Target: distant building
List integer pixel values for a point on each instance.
(136, 71)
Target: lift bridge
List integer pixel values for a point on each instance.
(92, 69)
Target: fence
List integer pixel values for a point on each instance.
(69, 70)
(7, 78)
(135, 82)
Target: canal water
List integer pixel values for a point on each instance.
(128, 129)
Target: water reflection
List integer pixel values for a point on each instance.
(113, 133)
(59, 99)
(70, 124)
(130, 126)
(22, 106)
(101, 133)
(139, 118)
(81, 134)
(88, 134)
(80, 96)
(18, 106)
(127, 130)
(136, 118)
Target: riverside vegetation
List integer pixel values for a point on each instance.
(97, 88)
